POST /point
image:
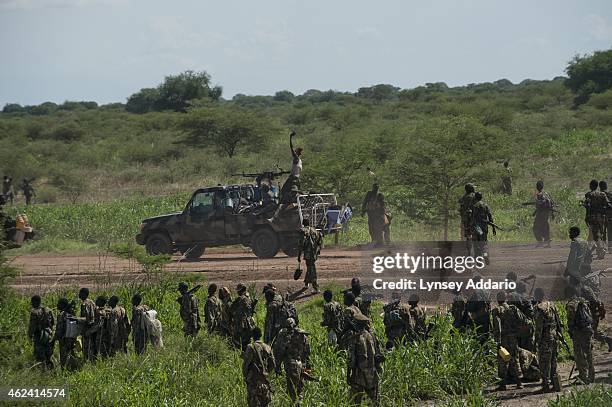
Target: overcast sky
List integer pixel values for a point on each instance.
(105, 50)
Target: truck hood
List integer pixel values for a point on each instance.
(162, 218)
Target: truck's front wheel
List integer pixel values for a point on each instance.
(158, 243)
(264, 243)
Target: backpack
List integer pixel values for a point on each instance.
(288, 310)
(583, 319)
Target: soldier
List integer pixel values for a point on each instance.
(40, 332)
(417, 318)
(363, 362)
(374, 206)
(140, 334)
(478, 308)
(361, 303)
(258, 361)
(212, 311)
(349, 312)
(66, 343)
(102, 331)
(459, 312)
(481, 219)
(225, 323)
(28, 190)
(544, 208)
(274, 314)
(120, 326)
(397, 322)
(578, 260)
(598, 312)
(242, 310)
(292, 350)
(87, 320)
(603, 187)
(190, 314)
(332, 313)
(7, 189)
(580, 328)
(548, 327)
(510, 318)
(496, 329)
(309, 245)
(466, 202)
(291, 187)
(506, 185)
(596, 204)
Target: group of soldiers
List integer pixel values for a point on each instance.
(101, 328)
(8, 190)
(476, 217)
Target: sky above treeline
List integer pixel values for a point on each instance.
(105, 50)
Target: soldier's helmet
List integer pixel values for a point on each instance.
(289, 323)
(540, 185)
(182, 286)
(241, 288)
(469, 187)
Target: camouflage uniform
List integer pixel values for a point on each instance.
(274, 318)
(363, 304)
(257, 363)
(66, 345)
(481, 216)
(529, 366)
(417, 320)
(596, 204)
(496, 330)
(88, 315)
(466, 202)
(542, 212)
(190, 314)
(225, 323)
(310, 247)
(241, 312)
(374, 206)
(582, 339)
(332, 313)
(398, 324)
(598, 312)
(291, 349)
(479, 307)
(506, 185)
(120, 329)
(578, 260)
(458, 311)
(213, 314)
(511, 318)
(547, 329)
(103, 332)
(40, 332)
(140, 336)
(362, 367)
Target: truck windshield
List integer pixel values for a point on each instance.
(202, 203)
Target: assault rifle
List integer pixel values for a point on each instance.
(194, 289)
(392, 305)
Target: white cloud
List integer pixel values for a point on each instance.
(37, 4)
(599, 27)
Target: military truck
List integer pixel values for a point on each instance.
(239, 214)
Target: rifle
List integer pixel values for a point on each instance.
(495, 227)
(307, 374)
(194, 289)
(390, 306)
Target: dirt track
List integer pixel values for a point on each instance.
(40, 273)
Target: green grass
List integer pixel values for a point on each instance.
(593, 396)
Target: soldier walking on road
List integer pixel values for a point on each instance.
(258, 362)
(363, 362)
(603, 187)
(212, 311)
(332, 312)
(596, 204)
(374, 207)
(466, 202)
(120, 326)
(292, 350)
(40, 332)
(580, 328)
(140, 334)
(190, 313)
(309, 246)
(242, 310)
(87, 320)
(548, 328)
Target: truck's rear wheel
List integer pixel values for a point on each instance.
(158, 243)
(193, 252)
(264, 243)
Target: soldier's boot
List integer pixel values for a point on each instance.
(502, 385)
(545, 387)
(519, 384)
(556, 382)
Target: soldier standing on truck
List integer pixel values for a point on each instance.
(309, 245)
(292, 185)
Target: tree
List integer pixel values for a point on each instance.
(378, 93)
(589, 74)
(176, 91)
(228, 129)
(441, 158)
(284, 96)
(13, 108)
(143, 101)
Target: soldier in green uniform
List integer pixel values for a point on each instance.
(548, 327)
(458, 311)
(65, 340)
(309, 246)
(480, 221)
(363, 304)
(242, 310)
(140, 335)
(258, 362)
(120, 326)
(598, 312)
(374, 207)
(332, 313)
(544, 206)
(580, 328)
(212, 311)
(274, 315)
(350, 310)
(496, 330)
(292, 350)
(225, 322)
(511, 318)
(478, 308)
(603, 187)
(506, 184)
(40, 332)
(363, 362)
(397, 322)
(466, 202)
(596, 204)
(417, 318)
(87, 320)
(579, 258)
(190, 313)
(102, 329)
